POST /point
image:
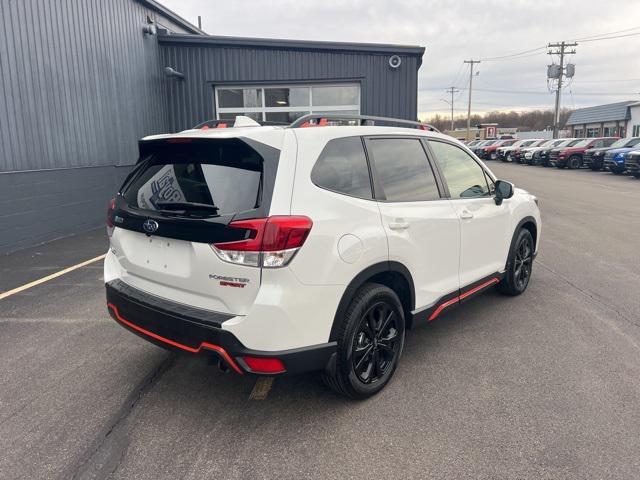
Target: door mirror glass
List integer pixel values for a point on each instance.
(504, 190)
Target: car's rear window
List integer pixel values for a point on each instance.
(204, 178)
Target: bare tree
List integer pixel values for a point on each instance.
(529, 120)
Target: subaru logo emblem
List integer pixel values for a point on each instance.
(150, 226)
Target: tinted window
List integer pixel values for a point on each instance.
(342, 167)
(465, 178)
(208, 179)
(403, 169)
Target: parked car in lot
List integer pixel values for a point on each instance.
(489, 152)
(572, 156)
(288, 250)
(473, 143)
(615, 160)
(506, 154)
(532, 154)
(520, 153)
(594, 157)
(485, 143)
(632, 163)
(545, 155)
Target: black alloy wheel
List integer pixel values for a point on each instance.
(370, 337)
(523, 262)
(519, 264)
(375, 344)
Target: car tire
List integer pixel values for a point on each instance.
(637, 175)
(370, 341)
(519, 265)
(508, 158)
(574, 162)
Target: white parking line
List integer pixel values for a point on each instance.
(8, 293)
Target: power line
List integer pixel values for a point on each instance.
(457, 77)
(530, 92)
(520, 92)
(491, 59)
(605, 34)
(610, 38)
(616, 80)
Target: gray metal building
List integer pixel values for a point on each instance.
(83, 80)
(602, 120)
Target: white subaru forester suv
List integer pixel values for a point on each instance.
(313, 247)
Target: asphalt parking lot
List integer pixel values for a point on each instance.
(546, 385)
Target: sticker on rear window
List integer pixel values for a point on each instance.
(163, 187)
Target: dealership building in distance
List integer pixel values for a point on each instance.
(621, 119)
(82, 84)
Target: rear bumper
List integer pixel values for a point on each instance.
(187, 330)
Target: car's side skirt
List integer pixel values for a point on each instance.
(446, 302)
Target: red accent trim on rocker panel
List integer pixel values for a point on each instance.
(204, 345)
(448, 303)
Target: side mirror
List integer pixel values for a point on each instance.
(504, 190)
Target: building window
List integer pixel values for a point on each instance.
(636, 131)
(578, 132)
(609, 131)
(593, 132)
(286, 103)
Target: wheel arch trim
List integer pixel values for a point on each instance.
(361, 278)
(521, 223)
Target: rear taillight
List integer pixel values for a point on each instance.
(110, 216)
(269, 242)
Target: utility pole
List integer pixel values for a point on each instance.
(561, 49)
(452, 91)
(471, 64)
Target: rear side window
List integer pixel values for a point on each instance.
(203, 178)
(403, 169)
(342, 167)
(464, 176)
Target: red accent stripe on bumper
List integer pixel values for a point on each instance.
(204, 345)
(455, 300)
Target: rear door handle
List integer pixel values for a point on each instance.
(398, 225)
(466, 215)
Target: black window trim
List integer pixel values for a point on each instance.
(371, 182)
(487, 173)
(379, 194)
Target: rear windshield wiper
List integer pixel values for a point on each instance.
(187, 206)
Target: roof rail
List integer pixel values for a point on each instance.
(230, 123)
(318, 119)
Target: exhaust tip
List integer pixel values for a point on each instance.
(222, 366)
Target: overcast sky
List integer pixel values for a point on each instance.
(452, 31)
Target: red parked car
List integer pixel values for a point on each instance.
(573, 157)
(490, 152)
